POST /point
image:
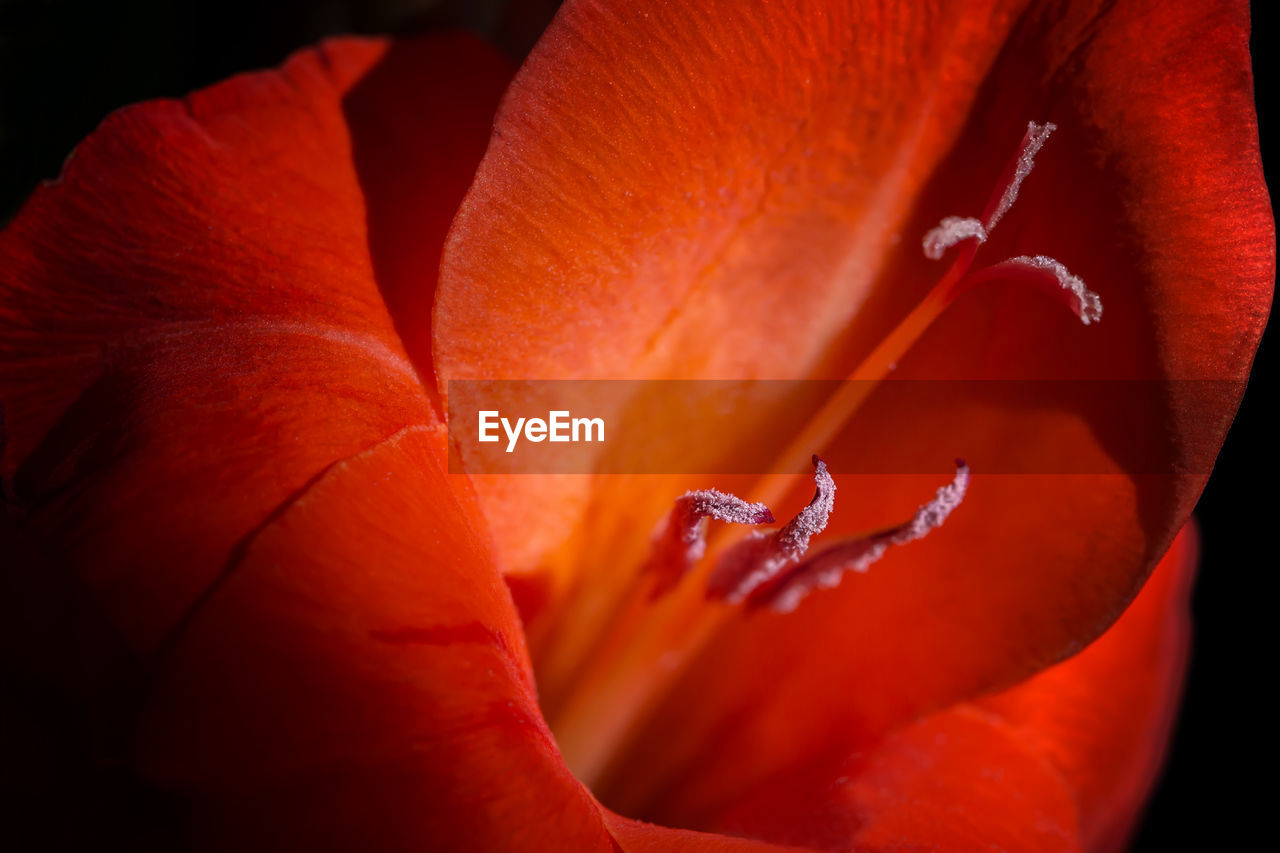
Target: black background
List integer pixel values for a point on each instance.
(64, 64)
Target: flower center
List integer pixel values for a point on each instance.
(697, 577)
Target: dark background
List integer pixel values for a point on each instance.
(65, 64)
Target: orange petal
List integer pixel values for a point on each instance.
(195, 314)
(1060, 762)
(1034, 564)
(700, 189)
(211, 420)
(954, 782)
(419, 122)
(668, 198)
(1103, 718)
(360, 680)
(693, 190)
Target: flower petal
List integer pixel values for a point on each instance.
(953, 781)
(1158, 203)
(211, 421)
(360, 681)
(699, 189)
(195, 313)
(1103, 718)
(1060, 762)
(694, 190)
(419, 120)
(705, 191)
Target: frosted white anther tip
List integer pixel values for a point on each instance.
(1086, 304)
(949, 232)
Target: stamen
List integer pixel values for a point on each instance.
(1032, 142)
(952, 230)
(683, 539)
(826, 569)
(1088, 304)
(957, 229)
(759, 558)
(1040, 269)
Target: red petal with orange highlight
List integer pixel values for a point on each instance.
(1061, 762)
(195, 314)
(213, 427)
(695, 190)
(747, 244)
(1103, 718)
(213, 412)
(360, 682)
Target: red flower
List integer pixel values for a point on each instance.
(234, 542)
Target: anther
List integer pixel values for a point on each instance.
(952, 230)
(956, 229)
(828, 567)
(1049, 274)
(759, 558)
(1088, 305)
(683, 539)
(1032, 142)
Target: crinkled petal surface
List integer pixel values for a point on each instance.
(716, 190)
